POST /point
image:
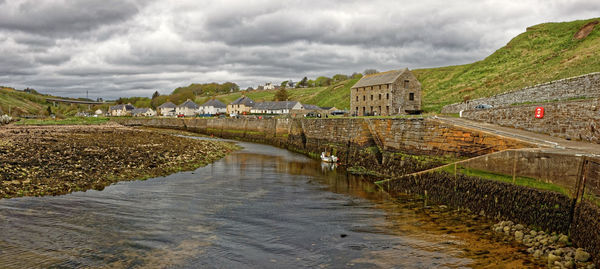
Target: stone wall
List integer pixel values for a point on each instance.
(577, 120)
(582, 86)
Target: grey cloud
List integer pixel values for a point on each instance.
(63, 18)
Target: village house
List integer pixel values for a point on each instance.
(277, 107)
(213, 107)
(167, 109)
(388, 93)
(269, 86)
(143, 112)
(187, 108)
(121, 110)
(240, 106)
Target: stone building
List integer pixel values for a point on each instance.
(167, 109)
(240, 106)
(388, 93)
(121, 110)
(213, 107)
(187, 108)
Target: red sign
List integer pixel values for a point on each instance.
(539, 112)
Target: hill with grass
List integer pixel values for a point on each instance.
(545, 52)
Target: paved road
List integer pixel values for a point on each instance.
(542, 140)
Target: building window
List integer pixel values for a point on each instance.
(364, 110)
(387, 110)
(357, 110)
(364, 97)
(411, 96)
(357, 98)
(406, 84)
(387, 96)
(379, 110)
(371, 97)
(371, 109)
(380, 96)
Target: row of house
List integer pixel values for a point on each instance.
(130, 110)
(189, 108)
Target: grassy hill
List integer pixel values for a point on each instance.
(21, 103)
(543, 53)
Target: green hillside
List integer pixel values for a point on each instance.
(543, 53)
(21, 103)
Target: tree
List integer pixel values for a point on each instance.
(370, 72)
(284, 83)
(302, 83)
(356, 75)
(281, 95)
(155, 94)
(322, 81)
(339, 77)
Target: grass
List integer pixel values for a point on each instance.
(67, 121)
(521, 181)
(543, 53)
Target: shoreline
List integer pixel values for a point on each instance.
(56, 160)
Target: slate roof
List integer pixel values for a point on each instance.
(140, 110)
(311, 107)
(189, 104)
(243, 101)
(215, 103)
(379, 78)
(167, 105)
(275, 105)
(128, 107)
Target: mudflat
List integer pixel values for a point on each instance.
(53, 160)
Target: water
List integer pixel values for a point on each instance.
(261, 207)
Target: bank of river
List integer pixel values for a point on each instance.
(260, 207)
(52, 160)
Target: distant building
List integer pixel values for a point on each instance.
(311, 107)
(277, 107)
(213, 107)
(240, 106)
(388, 93)
(269, 86)
(143, 112)
(187, 108)
(260, 88)
(121, 110)
(167, 109)
(98, 112)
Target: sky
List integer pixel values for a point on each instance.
(121, 48)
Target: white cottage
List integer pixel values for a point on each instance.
(167, 109)
(277, 107)
(213, 107)
(187, 108)
(143, 112)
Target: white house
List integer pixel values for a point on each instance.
(121, 110)
(187, 108)
(277, 107)
(213, 107)
(269, 86)
(143, 112)
(167, 109)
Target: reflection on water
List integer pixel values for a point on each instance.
(261, 207)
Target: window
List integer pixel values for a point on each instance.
(379, 110)
(380, 96)
(364, 97)
(387, 96)
(357, 98)
(371, 109)
(387, 110)
(406, 84)
(371, 97)
(364, 110)
(411, 96)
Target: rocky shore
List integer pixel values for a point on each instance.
(53, 160)
(553, 248)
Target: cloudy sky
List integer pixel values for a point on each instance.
(114, 48)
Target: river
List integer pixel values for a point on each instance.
(260, 207)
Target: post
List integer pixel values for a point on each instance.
(515, 168)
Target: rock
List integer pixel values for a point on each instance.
(552, 258)
(533, 233)
(499, 229)
(581, 255)
(569, 264)
(544, 241)
(519, 227)
(530, 250)
(519, 236)
(591, 266)
(537, 253)
(558, 252)
(563, 240)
